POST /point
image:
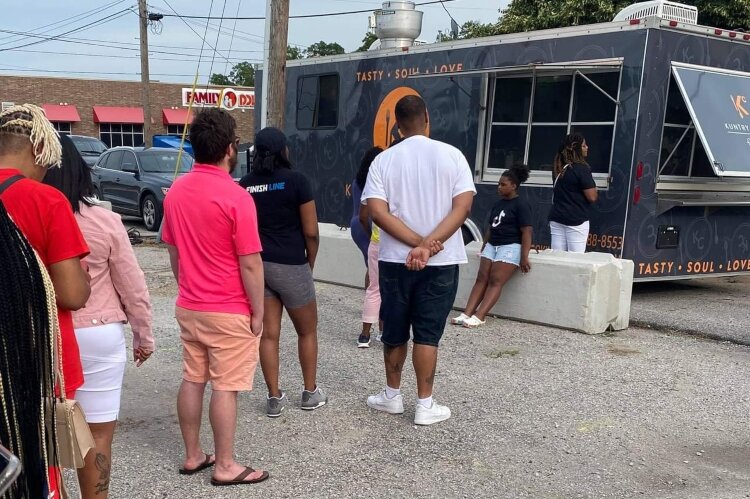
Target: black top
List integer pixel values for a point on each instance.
(569, 205)
(506, 219)
(277, 200)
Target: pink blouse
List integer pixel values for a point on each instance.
(118, 286)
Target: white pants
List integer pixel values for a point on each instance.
(103, 357)
(569, 238)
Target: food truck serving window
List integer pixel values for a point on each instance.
(317, 101)
(531, 113)
(718, 104)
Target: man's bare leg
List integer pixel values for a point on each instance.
(223, 416)
(394, 358)
(424, 358)
(189, 413)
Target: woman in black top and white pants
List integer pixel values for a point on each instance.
(573, 192)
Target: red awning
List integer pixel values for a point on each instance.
(105, 114)
(176, 116)
(61, 113)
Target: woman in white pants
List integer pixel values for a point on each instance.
(118, 295)
(573, 192)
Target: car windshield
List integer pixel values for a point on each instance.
(164, 161)
(89, 145)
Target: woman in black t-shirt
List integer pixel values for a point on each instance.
(507, 243)
(573, 192)
(288, 226)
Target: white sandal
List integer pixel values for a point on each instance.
(459, 321)
(473, 322)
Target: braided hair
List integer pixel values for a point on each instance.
(569, 152)
(28, 120)
(28, 324)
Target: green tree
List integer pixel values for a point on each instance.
(527, 15)
(367, 42)
(322, 48)
(471, 29)
(293, 53)
(220, 79)
(242, 74)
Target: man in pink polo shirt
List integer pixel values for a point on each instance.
(211, 231)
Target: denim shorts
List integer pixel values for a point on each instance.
(418, 300)
(507, 253)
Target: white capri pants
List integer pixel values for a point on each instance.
(103, 357)
(569, 238)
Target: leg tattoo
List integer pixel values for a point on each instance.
(103, 466)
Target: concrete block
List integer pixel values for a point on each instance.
(339, 260)
(587, 292)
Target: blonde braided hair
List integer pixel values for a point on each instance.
(31, 121)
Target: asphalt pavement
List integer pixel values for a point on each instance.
(537, 412)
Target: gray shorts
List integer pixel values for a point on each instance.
(292, 284)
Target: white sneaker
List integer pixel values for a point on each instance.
(459, 321)
(434, 414)
(473, 322)
(381, 402)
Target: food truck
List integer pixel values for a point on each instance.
(663, 102)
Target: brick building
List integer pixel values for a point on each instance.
(113, 110)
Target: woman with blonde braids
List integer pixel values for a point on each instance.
(29, 145)
(574, 190)
(26, 367)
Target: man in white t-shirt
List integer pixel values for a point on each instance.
(419, 193)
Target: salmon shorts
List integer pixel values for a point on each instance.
(218, 347)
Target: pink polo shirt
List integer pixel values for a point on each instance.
(212, 222)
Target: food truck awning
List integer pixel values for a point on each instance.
(540, 67)
(718, 101)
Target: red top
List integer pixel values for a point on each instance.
(44, 216)
(211, 221)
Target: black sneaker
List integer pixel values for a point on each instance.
(363, 341)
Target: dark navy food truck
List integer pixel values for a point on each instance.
(663, 103)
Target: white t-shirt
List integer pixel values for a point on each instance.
(418, 178)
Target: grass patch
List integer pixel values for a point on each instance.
(499, 354)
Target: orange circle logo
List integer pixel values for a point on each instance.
(385, 131)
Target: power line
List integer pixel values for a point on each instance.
(36, 70)
(218, 34)
(103, 20)
(62, 22)
(186, 57)
(301, 16)
(231, 40)
(203, 38)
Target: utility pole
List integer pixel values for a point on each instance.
(274, 67)
(145, 84)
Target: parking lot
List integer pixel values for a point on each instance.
(538, 412)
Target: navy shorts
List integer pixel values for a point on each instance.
(418, 300)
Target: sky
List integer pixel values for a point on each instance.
(108, 49)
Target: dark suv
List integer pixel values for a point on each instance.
(89, 147)
(135, 180)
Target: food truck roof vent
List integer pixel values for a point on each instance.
(398, 24)
(671, 11)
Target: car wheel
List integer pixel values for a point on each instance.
(151, 213)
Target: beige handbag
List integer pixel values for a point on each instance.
(74, 438)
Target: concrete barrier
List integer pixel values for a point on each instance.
(587, 292)
(339, 260)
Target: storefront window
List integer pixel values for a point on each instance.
(62, 127)
(318, 101)
(531, 114)
(177, 129)
(116, 134)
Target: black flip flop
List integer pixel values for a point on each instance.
(205, 464)
(240, 479)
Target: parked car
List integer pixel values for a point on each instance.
(135, 180)
(89, 147)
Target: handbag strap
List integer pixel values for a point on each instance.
(10, 181)
(556, 179)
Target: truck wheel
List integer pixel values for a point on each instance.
(151, 212)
